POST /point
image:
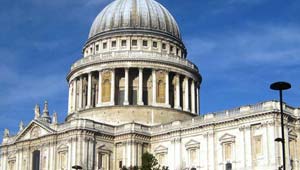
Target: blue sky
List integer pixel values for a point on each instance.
(240, 47)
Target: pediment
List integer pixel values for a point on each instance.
(161, 149)
(34, 130)
(227, 138)
(192, 144)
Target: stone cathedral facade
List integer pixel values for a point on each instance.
(135, 91)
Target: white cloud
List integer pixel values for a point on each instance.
(264, 44)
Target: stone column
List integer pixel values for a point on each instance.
(74, 94)
(186, 95)
(193, 97)
(100, 89)
(89, 95)
(126, 93)
(177, 101)
(112, 93)
(80, 92)
(153, 87)
(140, 95)
(167, 90)
(70, 98)
(198, 101)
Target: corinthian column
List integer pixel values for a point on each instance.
(74, 94)
(89, 95)
(153, 87)
(126, 101)
(140, 97)
(70, 98)
(112, 93)
(177, 101)
(198, 103)
(99, 89)
(193, 97)
(186, 95)
(167, 90)
(80, 92)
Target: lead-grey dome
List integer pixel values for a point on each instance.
(135, 14)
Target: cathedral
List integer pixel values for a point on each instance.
(135, 91)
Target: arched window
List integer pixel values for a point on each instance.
(161, 91)
(62, 160)
(106, 86)
(36, 160)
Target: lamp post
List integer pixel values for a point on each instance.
(280, 86)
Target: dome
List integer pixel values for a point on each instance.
(137, 15)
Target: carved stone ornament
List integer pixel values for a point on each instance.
(35, 132)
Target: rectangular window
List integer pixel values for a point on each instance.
(227, 151)
(97, 47)
(113, 43)
(193, 157)
(258, 145)
(154, 44)
(105, 45)
(134, 43)
(145, 43)
(120, 164)
(171, 49)
(123, 43)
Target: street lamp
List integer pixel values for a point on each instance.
(280, 86)
(77, 167)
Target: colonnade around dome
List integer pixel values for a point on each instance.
(133, 86)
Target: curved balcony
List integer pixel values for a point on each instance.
(134, 56)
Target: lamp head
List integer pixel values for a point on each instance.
(280, 86)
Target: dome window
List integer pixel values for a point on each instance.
(171, 49)
(164, 46)
(134, 43)
(104, 45)
(145, 43)
(154, 44)
(114, 44)
(123, 43)
(97, 47)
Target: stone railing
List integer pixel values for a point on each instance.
(133, 56)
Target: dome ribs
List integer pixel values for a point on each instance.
(144, 15)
